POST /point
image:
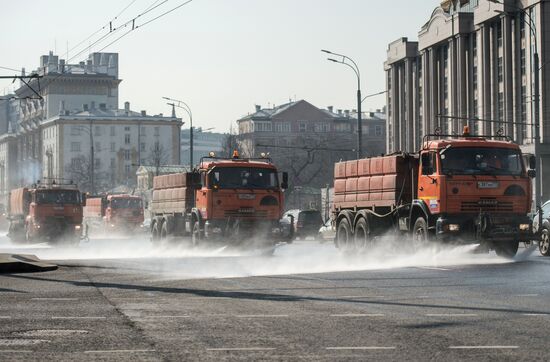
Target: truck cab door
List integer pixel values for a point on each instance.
(429, 185)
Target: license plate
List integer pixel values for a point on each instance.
(487, 185)
(247, 196)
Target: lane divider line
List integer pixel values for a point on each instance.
(483, 347)
(252, 349)
(358, 348)
(357, 315)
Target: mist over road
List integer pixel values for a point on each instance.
(123, 299)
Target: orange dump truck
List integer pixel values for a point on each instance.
(51, 212)
(456, 189)
(233, 201)
(116, 212)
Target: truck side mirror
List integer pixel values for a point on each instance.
(83, 199)
(284, 184)
(532, 173)
(532, 162)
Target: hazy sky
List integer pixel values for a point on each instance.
(222, 56)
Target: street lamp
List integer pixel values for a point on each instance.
(187, 109)
(536, 61)
(346, 61)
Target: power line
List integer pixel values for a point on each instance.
(8, 68)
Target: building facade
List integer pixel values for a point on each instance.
(204, 142)
(77, 123)
(306, 141)
(472, 65)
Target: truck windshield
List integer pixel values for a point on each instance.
(126, 203)
(481, 161)
(243, 177)
(57, 197)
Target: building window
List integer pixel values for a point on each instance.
(113, 147)
(365, 130)
(75, 146)
(500, 76)
(127, 170)
(97, 147)
(75, 162)
(282, 127)
(127, 128)
(499, 35)
(127, 155)
(157, 131)
(322, 127)
(112, 163)
(378, 130)
(126, 139)
(112, 130)
(142, 147)
(97, 162)
(260, 126)
(342, 127)
(522, 61)
(97, 131)
(302, 126)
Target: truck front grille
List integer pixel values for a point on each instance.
(246, 214)
(487, 205)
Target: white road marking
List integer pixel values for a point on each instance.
(242, 349)
(14, 351)
(122, 351)
(161, 316)
(535, 314)
(452, 315)
(79, 318)
(262, 316)
(484, 347)
(5, 317)
(55, 299)
(358, 348)
(358, 315)
(526, 295)
(360, 296)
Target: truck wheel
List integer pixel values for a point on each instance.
(155, 233)
(420, 233)
(506, 249)
(344, 235)
(544, 243)
(164, 231)
(362, 234)
(196, 236)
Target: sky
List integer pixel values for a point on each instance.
(221, 57)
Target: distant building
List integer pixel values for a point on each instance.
(203, 143)
(53, 136)
(472, 65)
(306, 141)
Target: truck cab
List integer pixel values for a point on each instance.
(123, 211)
(475, 188)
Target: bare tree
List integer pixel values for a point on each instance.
(79, 171)
(158, 157)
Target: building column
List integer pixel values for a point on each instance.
(462, 84)
(409, 114)
(395, 107)
(454, 86)
(518, 101)
(508, 78)
(434, 90)
(484, 51)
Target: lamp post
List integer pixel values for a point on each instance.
(536, 75)
(351, 63)
(187, 109)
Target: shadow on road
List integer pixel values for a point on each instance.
(267, 296)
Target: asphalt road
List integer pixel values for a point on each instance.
(115, 299)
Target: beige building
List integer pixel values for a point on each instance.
(472, 64)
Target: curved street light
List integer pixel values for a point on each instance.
(185, 106)
(345, 60)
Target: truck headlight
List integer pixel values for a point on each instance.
(77, 227)
(524, 227)
(453, 227)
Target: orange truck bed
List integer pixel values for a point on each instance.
(171, 194)
(374, 182)
(18, 205)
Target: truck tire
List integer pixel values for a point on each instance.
(344, 235)
(420, 234)
(362, 239)
(155, 233)
(544, 243)
(506, 249)
(196, 235)
(164, 231)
